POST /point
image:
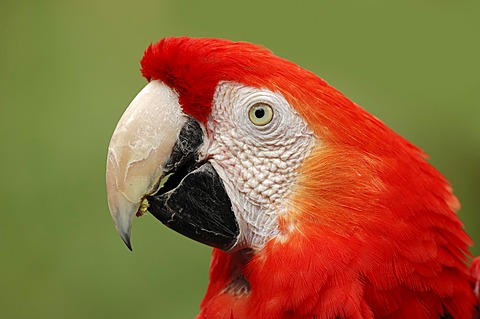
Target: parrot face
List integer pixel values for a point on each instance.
(257, 143)
(313, 206)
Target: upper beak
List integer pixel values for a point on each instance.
(153, 158)
(140, 146)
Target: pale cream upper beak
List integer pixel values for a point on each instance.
(140, 145)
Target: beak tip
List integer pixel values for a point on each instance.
(127, 242)
(123, 212)
(125, 235)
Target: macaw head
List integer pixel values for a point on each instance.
(302, 193)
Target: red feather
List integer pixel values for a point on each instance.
(375, 234)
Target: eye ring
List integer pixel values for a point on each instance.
(260, 114)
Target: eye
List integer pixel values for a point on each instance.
(260, 114)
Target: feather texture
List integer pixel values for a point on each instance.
(371, 231)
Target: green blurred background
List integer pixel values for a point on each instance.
(68, 69)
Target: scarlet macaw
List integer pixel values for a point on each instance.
(314, 207)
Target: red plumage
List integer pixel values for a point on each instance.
(377, 234)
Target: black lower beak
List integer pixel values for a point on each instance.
(193, 201)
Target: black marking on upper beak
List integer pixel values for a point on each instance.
(185, 151)
(193, 201)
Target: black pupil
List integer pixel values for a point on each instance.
(259, 113)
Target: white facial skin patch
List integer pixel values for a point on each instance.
(257, 162)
